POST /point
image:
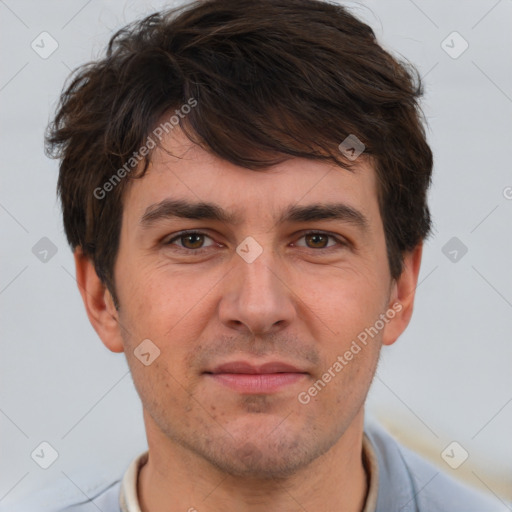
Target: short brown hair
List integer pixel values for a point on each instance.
(272, 79)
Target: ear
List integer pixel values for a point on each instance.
(98, 303)
(402, 295)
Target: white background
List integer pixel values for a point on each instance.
(448, 377)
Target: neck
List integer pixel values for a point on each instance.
(175, 479)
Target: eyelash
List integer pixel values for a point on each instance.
(339, 243)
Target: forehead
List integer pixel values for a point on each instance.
(185, 171)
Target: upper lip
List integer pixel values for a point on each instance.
(245, 367)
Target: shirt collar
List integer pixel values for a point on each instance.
(129, 501)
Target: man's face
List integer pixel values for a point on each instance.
(302, 301)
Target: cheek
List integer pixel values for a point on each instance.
(349, 309)
(156, 300)
(162, 390)
(169, 308)
(345, 302)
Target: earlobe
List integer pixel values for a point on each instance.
(402, 296)
(98, 303)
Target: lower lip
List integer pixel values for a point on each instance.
(256, 383)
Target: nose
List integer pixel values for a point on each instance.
(257, 298)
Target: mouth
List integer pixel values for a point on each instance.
(248, 378)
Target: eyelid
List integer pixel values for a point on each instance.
(340, 241)
(184, 233)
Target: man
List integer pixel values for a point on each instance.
(244, 187)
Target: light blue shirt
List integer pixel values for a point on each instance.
(406, 483)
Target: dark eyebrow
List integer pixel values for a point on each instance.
(178, 208)
(169, 208)
(327, 211)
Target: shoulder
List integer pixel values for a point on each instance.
(106, 500)
(407, 482)
(102, 496)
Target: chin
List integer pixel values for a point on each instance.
(250, 454)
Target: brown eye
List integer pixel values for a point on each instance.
(314, 240)
(193, 241)
(317, 240)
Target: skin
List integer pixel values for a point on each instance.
(302, 301)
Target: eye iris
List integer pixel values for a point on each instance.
(195, 236)
(316, 237)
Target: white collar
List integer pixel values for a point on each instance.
(129, 500)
